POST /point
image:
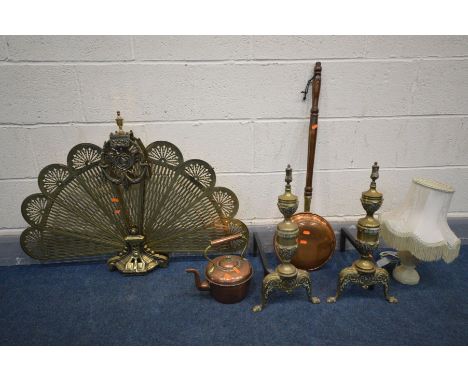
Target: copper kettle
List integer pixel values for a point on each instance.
(227, 277)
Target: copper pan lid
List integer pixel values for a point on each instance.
(316, 241)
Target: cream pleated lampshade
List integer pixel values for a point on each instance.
(419, 225)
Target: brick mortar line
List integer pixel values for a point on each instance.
(234, 120)
(299, 172)
(334, 219)
(286, 61)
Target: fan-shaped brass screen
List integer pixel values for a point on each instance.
(137, 203)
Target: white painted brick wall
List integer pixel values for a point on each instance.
(235, 102)
(71, 48)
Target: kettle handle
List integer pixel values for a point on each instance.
(224, 240)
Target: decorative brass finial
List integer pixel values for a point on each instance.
(119, 120)
(287, 202)
(288, 178)
(374, 175)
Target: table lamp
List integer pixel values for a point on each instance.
(418, 229)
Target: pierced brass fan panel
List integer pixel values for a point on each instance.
(137, 203)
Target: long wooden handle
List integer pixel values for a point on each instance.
(313, 126)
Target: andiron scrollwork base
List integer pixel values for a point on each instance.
(274, 281)
(351, 275)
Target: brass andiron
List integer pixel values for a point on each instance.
(286, 276)
(364, 272)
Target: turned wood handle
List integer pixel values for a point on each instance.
(313, 125)
(316, 82)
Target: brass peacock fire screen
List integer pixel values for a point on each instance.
(136, 203)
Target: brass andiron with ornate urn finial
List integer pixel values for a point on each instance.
(286, 276)
(364, 271)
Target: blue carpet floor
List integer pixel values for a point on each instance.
(85, 304)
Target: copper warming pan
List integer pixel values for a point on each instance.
(316, 236)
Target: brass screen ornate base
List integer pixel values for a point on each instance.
(351, 275)
(274, 281)
(137, 258)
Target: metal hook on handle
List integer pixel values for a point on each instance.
(316, 76)
(306, 90)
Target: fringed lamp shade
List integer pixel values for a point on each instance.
(420, 226)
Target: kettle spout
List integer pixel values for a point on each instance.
(201, 285)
